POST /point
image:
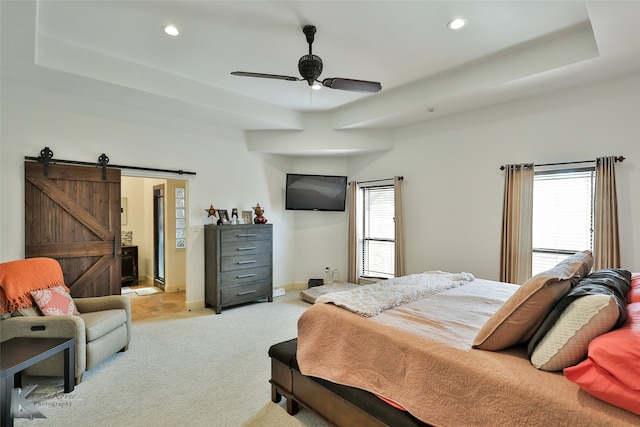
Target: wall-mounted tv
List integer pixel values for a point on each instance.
(315, 192)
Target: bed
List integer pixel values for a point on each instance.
(438, 357)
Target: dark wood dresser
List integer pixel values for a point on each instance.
(129, 265)
(238, 264)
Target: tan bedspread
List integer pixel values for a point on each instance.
(419, 355)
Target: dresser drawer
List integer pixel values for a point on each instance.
(245, 248)
(241, 262)
(241, 234)
(243, 293)
(249, 275)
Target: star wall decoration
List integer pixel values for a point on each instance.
(211, 211)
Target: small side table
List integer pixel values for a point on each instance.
(19, 353)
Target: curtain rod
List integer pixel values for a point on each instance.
(46, 157)
(617, 159)
(401, 178)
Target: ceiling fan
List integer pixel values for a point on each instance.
(310, 68)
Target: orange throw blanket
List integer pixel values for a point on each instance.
(19, 278)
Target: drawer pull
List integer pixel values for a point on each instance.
(247, 262)
(247, 248)
(246, 235)
(245, 276)
(247, 292)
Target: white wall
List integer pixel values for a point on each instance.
(453, 185)
(75, 128)
(137, 216)
(320, 237)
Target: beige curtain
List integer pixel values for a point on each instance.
(606, 244)
(352, 263)
(517, 214)
(399, 225)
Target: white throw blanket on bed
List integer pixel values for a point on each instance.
(369, 300)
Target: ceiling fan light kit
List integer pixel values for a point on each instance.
(310, 68)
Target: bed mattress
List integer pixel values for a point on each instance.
(419, 356)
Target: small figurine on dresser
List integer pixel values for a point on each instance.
(259, 219)
(211, 212)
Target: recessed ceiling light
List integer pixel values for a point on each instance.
(171, 30)
(457, 23)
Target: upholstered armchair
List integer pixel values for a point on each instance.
(101, 326)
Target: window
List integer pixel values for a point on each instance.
(378, 231)
(562, 215)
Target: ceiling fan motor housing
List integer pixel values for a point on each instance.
(310, 68)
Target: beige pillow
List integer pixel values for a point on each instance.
(519, 317)
(567, 342)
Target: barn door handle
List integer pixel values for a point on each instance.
(115, 248)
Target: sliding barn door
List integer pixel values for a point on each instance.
(72, 214)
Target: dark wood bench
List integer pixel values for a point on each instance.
(337, 404)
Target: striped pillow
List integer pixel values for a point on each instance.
(567, 342)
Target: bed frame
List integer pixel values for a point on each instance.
(337, 404)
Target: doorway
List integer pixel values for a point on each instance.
(158, 229)
(158, 236)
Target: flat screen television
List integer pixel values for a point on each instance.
(315, 192)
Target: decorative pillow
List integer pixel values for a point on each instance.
(634, 294)
(612, 371)
(614, 282)
(519, 317)
(54, 301)
(566, 343)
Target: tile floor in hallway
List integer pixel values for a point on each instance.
(145, 307)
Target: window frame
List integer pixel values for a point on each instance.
(362, 236)
(566, 252)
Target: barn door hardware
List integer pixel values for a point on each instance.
(46, 157)
(102, 161)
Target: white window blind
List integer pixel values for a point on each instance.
(562, 215)
(378, 231)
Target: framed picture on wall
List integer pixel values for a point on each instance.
(246, 217)
(223, 214)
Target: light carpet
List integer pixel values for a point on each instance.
(190, 369)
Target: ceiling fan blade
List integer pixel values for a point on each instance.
(352, 85)
(265, 76)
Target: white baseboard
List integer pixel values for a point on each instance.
(174, 288)
(194, 305)
(292, 286)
